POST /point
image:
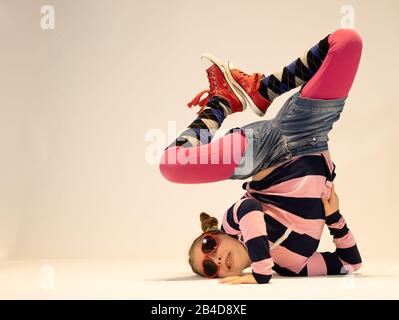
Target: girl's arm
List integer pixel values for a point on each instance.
(249, 215)
(346, 257)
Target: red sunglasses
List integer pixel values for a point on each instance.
(209, 244)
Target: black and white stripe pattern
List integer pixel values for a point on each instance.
(204, 127)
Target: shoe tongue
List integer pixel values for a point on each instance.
(231, 65)
(237, 73)
(256, 81)
(213, 67)
(206, 63)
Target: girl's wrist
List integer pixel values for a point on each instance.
(333, 217)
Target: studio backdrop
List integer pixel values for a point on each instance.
(91, 92)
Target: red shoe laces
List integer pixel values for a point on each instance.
(254, 79)
(211, 92)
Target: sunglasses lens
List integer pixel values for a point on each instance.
(208, 244)
(210, 268)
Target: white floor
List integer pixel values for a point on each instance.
(72, 279)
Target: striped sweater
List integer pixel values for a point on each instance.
(280, 220)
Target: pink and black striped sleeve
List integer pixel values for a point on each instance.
(345, 259)
(250, 217)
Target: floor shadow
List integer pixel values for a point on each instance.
(275, 276)
(177, 278)
(356, 275)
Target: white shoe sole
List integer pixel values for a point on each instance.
(227, 75)
(247, 98)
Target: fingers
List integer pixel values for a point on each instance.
(229, 279)
(233, 280)
(334, 196)
(331, 205)
(237, 281)
(333, 190)
(325, 201)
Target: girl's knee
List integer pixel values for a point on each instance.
(346, 38)
(168, 166)
(357, 267)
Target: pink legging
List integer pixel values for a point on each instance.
(332, 80)
(335, 76)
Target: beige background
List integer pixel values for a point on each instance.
(76, 103)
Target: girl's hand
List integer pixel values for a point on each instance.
(244, 279)
(331, 205)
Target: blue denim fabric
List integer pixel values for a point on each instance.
(300, 127)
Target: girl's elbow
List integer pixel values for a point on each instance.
(357, 266)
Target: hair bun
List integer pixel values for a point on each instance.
(208, 222)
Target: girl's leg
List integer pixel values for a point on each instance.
(192, 157)
(335, 76)
(295, 74)
(326, 71)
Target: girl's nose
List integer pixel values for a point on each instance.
(216, 258)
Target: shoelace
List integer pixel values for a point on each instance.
(254, 79)
(242, 73)
(198, 102)
(213, 87)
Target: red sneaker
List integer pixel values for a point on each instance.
(249, 89)
(218, 86)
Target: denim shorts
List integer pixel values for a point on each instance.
(300, 127)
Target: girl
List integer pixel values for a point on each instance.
(278, 222)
